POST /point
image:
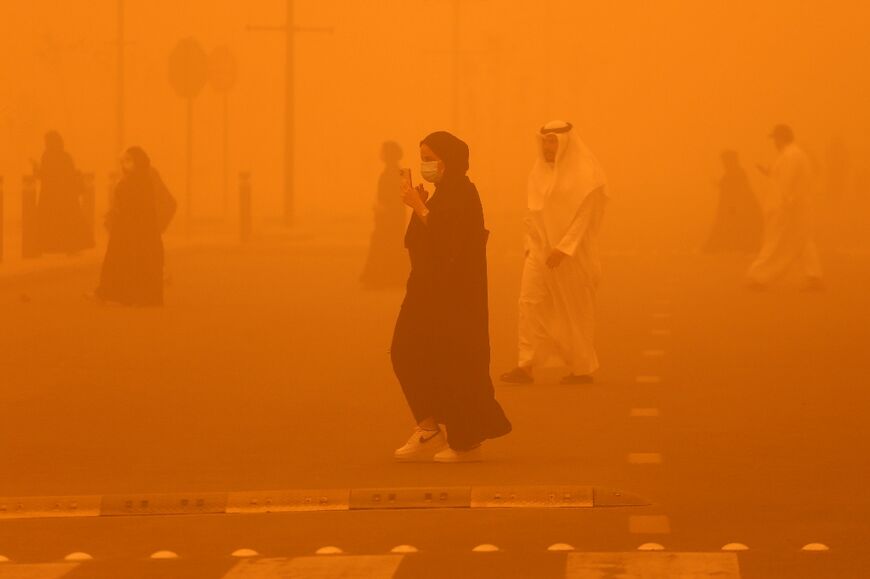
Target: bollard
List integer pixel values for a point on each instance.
(29, 219)
(2, 220)
(89, 208)
(245, 213)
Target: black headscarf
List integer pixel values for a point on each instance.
(450, 149)
(141, 161)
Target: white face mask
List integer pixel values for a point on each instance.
(429, 171)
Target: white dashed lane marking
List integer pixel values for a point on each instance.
(648, 379)
(653, 353)
(645, 458)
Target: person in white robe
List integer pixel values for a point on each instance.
(788, 229)
(567, 194)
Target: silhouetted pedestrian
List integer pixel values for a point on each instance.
(60, 221)
(738, 222)
(788, 219)
(440, 349)
(386, 264)
(132, 272)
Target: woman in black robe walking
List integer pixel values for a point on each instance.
(440, 348)
(738, 223)
(61, 226)
(132, 271)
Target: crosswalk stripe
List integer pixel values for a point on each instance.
(36, 571)
(346, 567)
(652, 565)
(645, 458)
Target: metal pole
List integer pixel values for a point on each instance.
(29, 219)
(226, 152)
(2, 220)
(290, 117)
(245, 207)
(121, 76)
(89, 206)
(457, 46)
(189, 198)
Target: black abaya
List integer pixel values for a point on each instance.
(132, 271)
(440, 350)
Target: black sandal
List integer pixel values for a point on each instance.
(517, 376)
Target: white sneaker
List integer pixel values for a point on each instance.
(422, 446)
(450, 455)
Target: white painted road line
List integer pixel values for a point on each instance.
(648, 379)
(644, 458)
(649, 525)
(40, 571)
(653, 353)
(368, 567)
(644, 413)
(652, 565)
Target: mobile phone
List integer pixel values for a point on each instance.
(405, 176)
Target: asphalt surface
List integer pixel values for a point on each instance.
(739, 417)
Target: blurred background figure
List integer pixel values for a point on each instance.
(566, 199)
(387, 263)
(132, 272)
(61, 223)
(788, 221)
(738, 223)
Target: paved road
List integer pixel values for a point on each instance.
(738, 417)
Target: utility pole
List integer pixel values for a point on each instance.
(457, 60)
(121, 72)
(456, 53)
(290, 30)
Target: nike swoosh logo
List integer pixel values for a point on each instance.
(424, 440)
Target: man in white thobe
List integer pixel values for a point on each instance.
(567, 193)
(788, 237)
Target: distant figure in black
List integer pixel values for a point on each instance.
(142, 208)
(738, 223)
(61, 223)
(386, 265)
(440, 349)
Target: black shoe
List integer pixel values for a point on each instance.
(517, 376)
(572, 379)
(813, 284)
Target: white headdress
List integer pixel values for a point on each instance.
(559, 188)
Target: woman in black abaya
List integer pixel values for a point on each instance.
(440, 349)
(132, 271)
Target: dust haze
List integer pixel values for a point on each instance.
(285, 259)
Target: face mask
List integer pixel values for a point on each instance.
(429, 171)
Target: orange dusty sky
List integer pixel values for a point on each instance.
(657, 89)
